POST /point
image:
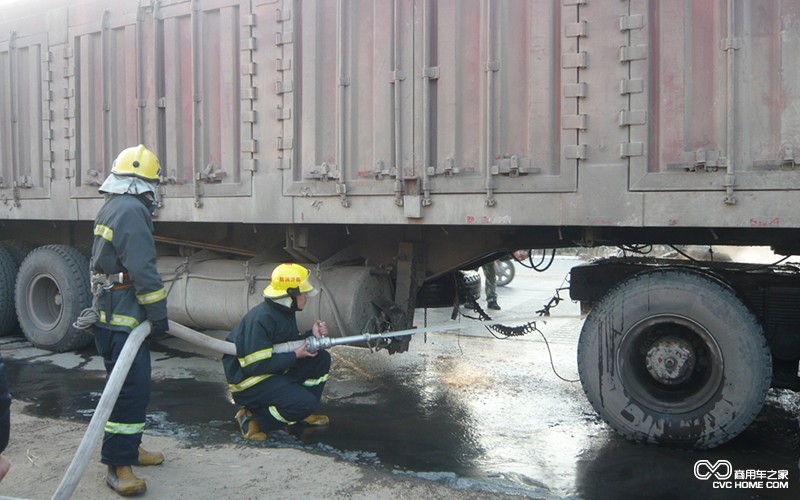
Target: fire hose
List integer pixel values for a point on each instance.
(94, 432)
(314, 344)
(107, 401)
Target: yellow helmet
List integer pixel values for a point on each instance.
(289, 280)
(139, 162)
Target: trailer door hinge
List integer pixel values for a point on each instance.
(15, 194)
(341, 190)
(198, 195)
(789, 162)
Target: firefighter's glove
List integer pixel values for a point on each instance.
(158, 328)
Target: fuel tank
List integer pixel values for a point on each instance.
(215, 293)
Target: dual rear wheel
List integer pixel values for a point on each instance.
(42, 291)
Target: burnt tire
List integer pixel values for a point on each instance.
(440, 291)
(51, 290)
(674, 357)
(8, 275)
(469, 286)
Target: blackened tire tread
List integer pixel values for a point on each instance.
(748, 357)
(8, 275)
(440, 291)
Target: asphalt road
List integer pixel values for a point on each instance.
(462, 406)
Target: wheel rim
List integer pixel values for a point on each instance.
(670, 364)
(45, 299)
(504, 272)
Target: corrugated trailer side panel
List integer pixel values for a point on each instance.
(27, 132)
(204, 123)
(705, 115)
(419, 99)
(347, 85)
(476, 111)
(102, 94)
(497, 118)
(82, 80)
(433, 112)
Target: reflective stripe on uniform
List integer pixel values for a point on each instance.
(256, 356)
(117, 428)
(152, 297)
(120, 320)
(248, 382)
(277, 416)
(104, 231)
(311, 382)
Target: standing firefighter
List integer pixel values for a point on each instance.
(277, 389)
(124, 264)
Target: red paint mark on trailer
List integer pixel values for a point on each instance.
(672, 222)
(775, 221)
(470, 219)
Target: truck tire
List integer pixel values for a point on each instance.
(8, 273)
(52, 289)
(673, 357)
(18, 249)
(14, 253)
(469, 286)
(440, 292)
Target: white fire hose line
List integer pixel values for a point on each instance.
(197, 338)
(94, 432)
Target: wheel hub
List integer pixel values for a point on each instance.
(669, 363)
(670, 360)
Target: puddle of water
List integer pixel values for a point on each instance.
(514, 439)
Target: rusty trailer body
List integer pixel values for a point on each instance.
(394, 141)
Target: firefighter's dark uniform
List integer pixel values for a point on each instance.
(5, 408)
(279, 388)
(123, 243)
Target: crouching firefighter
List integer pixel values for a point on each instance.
(277, 389)
(128, 290)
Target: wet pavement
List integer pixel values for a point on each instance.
(461, 406)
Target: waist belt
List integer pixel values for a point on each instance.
(115, 281)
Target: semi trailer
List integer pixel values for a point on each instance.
(390, 144)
